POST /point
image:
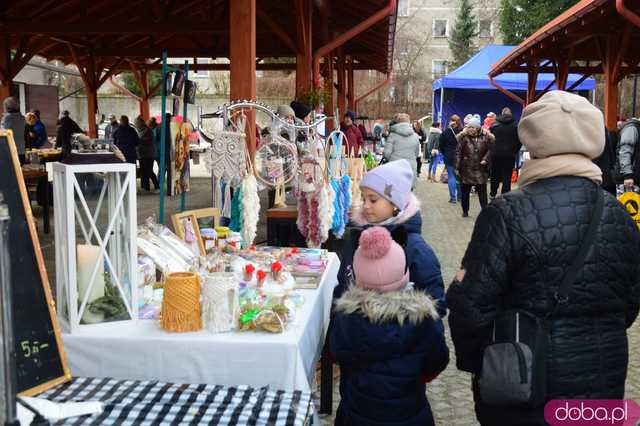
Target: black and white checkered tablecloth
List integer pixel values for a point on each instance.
(132, 402)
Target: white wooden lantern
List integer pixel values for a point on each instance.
(95, 235)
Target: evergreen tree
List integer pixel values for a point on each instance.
(131, 84)
(465, 30)
(521, 18)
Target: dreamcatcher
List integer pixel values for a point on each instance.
(276, 164)
(357, 169)
(315, 202)
(340, 181)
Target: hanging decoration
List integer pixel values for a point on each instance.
(250, 207)
(357, 169)
(340, 182)
(311, 181)
(276, 162)
(182, 169)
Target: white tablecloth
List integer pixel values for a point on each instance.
(143, 351)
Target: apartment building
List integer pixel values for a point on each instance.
(422, 51)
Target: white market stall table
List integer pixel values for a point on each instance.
(143, 351)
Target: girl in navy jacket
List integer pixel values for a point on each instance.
(387, 337)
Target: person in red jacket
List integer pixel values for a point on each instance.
(353, 134)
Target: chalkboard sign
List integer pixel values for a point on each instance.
(40, 359)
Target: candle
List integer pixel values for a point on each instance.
(86, 258)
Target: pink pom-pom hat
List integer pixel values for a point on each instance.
(379, 262)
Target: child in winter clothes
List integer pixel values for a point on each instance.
(387, 337)
(389, 202)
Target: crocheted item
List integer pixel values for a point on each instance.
(308, 221)
(220, 305)
(181, 303)
(325, 211)
(250, 209)
(228, 160)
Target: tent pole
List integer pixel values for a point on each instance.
(441, 105)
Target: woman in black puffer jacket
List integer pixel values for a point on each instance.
(524, 242)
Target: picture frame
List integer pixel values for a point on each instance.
(180, 223)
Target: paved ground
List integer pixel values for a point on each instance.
(448, 233)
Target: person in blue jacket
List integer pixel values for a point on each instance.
(387, 338)
(36, 131)
(448, 144)
(389, 202)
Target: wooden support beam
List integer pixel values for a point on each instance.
(276, 28)
(342, 95)
(5, 67)
(304, 49)
(611, 52)
(531, 84)
(242, 48)
(351, 90)
(56, 26)
(329, 106)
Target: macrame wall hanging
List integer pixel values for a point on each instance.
(340, 182)
(314, 203)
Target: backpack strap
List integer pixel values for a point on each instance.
(562, 295)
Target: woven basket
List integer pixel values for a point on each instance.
(181, 303)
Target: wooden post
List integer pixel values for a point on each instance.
(562, 74)
(351, 93)
(143, 82)
(305, 53)
(5, 68)
(242, 48)
(531, 84)
(329, 105)
(342, 98)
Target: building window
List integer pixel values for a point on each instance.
(403, 8)
(440, 28)
(402, 45)
(486, 28)
(438, 67)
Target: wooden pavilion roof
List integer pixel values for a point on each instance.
(118, 31)
(582, 36)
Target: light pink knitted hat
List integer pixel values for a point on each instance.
(379, 262)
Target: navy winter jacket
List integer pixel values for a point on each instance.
(448, 144)
(424, 268)
(386, 345)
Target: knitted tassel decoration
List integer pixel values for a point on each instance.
(325, 212)
(303, 215)
(181, 303)
(226, 209)
(250, 209)
(348, 199)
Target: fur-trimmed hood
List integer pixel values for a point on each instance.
(413, 306)
(407, 217)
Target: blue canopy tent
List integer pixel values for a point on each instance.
(467, 89)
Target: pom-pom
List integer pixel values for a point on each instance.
(249, 268)
(375, 242)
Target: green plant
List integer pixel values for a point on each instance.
(131, 84)
(314, 97)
